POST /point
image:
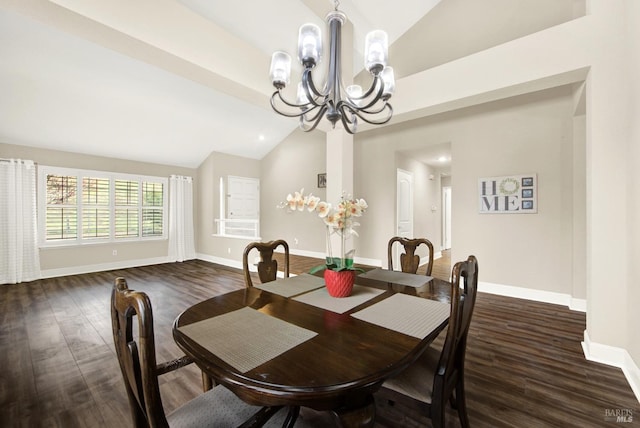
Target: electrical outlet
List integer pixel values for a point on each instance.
(115, 252)
(229, 250)
(295, 241)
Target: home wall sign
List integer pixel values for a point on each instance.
(511, 194)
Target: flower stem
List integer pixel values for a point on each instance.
(329, 243)
(343, 261)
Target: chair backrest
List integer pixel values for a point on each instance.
(409, 260)
(267, 266)
(137, 355)
(463, 301)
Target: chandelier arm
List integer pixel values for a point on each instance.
(310, 88)
(359, 113)
(320, 110)
(290, 104)
(373, 101)
(287, 114)
(377, 83)
(373, 111)
(348, 117)
(316, 120)
(364, 110)
(346, 108)
(349, 125)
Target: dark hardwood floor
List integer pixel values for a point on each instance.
(525, 366)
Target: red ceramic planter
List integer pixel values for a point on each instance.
(339, 283)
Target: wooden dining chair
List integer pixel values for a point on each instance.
(267, 266)
(217, 407)
(409, 261)
(437, 377)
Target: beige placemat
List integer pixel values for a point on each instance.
(246, 338)
(293, 285)
(411, 315)
(321, 298)
(402, 278)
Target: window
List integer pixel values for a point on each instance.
(239, 208)
(78, 206)
(95, 207)
(126, 208)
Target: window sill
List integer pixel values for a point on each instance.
(247, 238)
(58, 245)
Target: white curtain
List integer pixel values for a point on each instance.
(181, 241)
(19, 254)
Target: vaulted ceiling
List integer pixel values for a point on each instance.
(170, 81)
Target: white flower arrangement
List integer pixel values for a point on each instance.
(338, 219)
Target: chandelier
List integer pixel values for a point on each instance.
(334, 101)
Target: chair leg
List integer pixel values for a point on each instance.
(261, 417)
(207, 382)
(438, 410)
(292, 416)
(461, 402)
(453, 402)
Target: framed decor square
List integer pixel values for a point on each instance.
(511, 194)
(322, 180)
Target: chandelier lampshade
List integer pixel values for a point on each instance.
(333, 100)
(309, 44)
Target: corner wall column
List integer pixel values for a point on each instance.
(339, 172)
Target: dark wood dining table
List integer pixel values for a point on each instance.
(338, 366)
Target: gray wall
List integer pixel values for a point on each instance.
(531, 133)
(207, 206)
(527, 134)
(633, 300)
(294, 164)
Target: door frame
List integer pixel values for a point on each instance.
(446, 217)
(402, 175)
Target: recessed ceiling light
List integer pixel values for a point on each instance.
(261, 137)
(442, 159)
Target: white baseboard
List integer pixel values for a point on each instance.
(535, 295)
(424, 260)
(616, 357)
(579, 305)
(368, 262)
(220, 260)
(632, 373)
(125, 264)
(307, 253)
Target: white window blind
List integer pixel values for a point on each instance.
(79, 206)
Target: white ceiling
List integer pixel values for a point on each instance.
(273, 25)
(62, 92)
(435, 155)
(171, 81)
(65, 92)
